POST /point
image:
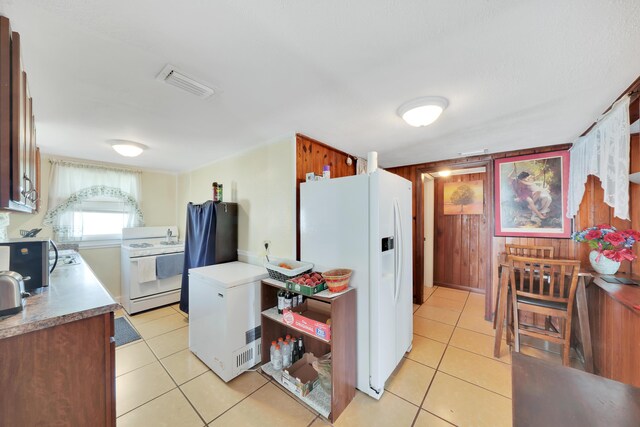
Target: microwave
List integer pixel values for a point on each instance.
(30, 258)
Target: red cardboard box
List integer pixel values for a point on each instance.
(308, 320)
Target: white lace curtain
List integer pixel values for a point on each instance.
(76, 185)
(603, 152)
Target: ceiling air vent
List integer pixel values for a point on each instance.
(174, 77)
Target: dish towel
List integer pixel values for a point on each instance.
(169, 265)
(146, 269)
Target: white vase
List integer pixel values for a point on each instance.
(603, 265)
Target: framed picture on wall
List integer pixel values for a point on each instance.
(531, 195)
(464, 198)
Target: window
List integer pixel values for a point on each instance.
(91, 202)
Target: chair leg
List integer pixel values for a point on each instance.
(566, 345)
(497, 304)
(516, 325)
(509, 321)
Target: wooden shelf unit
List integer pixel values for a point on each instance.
(342, 344)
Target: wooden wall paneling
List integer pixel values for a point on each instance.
(454, 253)
(488, 252)
(473, 254)
(457, 257)
(464, 243)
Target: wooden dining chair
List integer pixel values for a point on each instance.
(547, 287)
(533, 251)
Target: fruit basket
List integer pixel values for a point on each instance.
(276, 267)
(338, 279)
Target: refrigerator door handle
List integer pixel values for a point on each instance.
(397, 229)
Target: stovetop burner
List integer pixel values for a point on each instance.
(140, 245)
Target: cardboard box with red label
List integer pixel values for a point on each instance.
(310, 317)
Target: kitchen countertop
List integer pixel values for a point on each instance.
(74, 293)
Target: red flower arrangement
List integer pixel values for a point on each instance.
(608, 241)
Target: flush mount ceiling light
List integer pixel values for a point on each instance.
(423, 111)
(127, 148)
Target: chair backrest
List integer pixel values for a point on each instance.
(530, 251)
(544, 278)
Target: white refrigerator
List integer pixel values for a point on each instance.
(363, 222)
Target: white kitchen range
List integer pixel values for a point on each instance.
(151, 259)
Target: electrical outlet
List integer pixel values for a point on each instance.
(267, 243)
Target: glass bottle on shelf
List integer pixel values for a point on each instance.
(288, 300)
(301, 349)
(281, 294)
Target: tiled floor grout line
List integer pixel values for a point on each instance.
(177, 386)
(142, 404)
(237, 403)
(180, 390)
(316, 417)
(313, 421)
(437, 369)
(462, 379)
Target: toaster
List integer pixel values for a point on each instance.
(11, 293)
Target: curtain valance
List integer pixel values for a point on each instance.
(603, 152)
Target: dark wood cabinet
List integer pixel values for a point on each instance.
(19, 166)
(61, 375)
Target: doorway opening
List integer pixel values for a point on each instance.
(454, 216)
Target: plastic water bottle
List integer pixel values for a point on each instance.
(272, 350)
(286, 355)
(277, 358)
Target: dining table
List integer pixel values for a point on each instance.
(547, 394)
(584, 332)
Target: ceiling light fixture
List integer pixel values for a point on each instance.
(127, 148)
(444, 173)
(423, 111)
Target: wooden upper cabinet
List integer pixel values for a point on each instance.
(19, 157)
(5, 112)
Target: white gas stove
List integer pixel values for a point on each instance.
(151, 267)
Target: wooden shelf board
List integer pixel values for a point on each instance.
(272, 313)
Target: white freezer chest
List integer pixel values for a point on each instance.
(224, 316)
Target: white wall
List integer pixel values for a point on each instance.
(262, 182)
(158, 205)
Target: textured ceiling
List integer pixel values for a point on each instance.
(516, 73)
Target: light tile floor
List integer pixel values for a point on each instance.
(450, 377)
